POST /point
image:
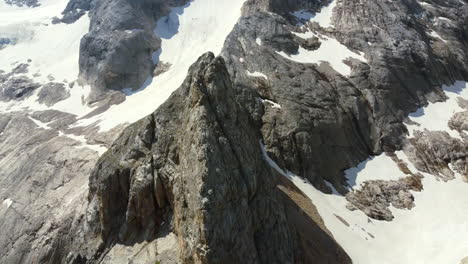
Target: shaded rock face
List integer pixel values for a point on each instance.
(74, 10)
(186, 162)
(17, 88)
(117, 52)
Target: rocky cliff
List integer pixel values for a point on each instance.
(301, 87)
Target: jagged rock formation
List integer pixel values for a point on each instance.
(74, 10)
(158, 170)
(375, 197)
(433, 151)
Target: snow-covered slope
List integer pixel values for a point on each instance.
(50, 50)
(187, 32)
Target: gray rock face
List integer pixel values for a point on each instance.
(117, 52)
(17, 88)
(52, 93)
(433, 151)
(329, 122)
(21, 3)
(44, 176)
(74, 10)
(221, 195)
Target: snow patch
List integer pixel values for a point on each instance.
(258, 41)
(84, 143)
(273, 104)
(435, 117)
(39, 123)
(330, 51)
(257, 74)
(7, 202)
(436, 35)
(372, 169)
(323, 18)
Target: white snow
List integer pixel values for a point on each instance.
(323, 18)
(273, 104)
(436, 35)
(372, 169)
(258, 41)
(7, 202)
(433, 232)
(330, 51)
(435, 117)
(187, 32)
(257, 74)
(53, 49)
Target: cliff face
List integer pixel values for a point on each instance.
(196, 164)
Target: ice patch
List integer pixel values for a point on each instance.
(435, 117)
(330, 51)
(75, 104)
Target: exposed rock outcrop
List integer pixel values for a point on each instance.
(117, 52)
(434, 151)
(185, 162)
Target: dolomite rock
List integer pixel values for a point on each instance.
(201, 178)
